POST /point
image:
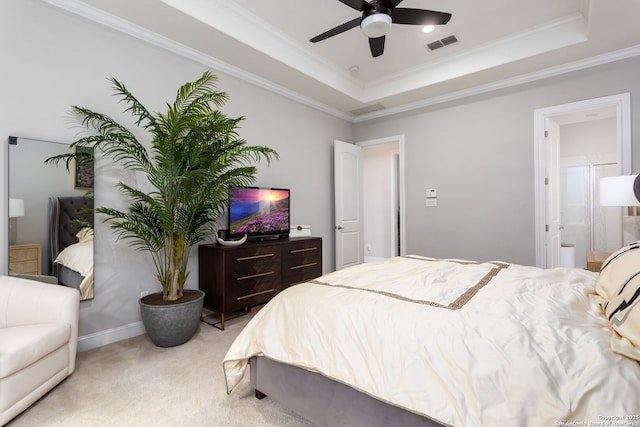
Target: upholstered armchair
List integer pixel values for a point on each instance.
(38, 341)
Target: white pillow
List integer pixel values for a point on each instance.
(617, 269)
(85, 235)
(623, 312)
(619, 285)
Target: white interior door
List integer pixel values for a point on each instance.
(553, 193)
(349, 230)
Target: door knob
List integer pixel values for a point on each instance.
(338, 227)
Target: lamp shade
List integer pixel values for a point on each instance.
(16, 208)
(618, 191)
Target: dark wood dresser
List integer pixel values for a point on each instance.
(235, 278)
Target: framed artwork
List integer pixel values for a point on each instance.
(84, 169)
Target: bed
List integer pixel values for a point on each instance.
(71, 242)
(420, 341)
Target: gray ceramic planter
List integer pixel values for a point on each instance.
(171, 324)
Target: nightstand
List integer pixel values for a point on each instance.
(595, 260)
(25, 259)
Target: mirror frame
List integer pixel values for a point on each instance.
(39, 186)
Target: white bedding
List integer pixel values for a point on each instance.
(485, 344)
(79, 258)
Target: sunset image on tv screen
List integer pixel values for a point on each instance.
(258, 210)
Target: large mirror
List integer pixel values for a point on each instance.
(50, 216)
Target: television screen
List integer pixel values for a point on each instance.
(259, 211)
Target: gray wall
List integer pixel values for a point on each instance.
(53, 60)
(478, 153)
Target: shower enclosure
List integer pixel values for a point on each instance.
(584, 223)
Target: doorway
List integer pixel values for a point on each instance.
(584, 160)
(381, 201)
(383, 197)
(378, 188)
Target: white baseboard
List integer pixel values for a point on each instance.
(91, 341)
(373, 258)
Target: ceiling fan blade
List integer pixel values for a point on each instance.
(377, 46)
(357, 4)
(337, 30)
(390, 4)
(419, 17)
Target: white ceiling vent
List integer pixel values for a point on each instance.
(368, 109)
(442, 42)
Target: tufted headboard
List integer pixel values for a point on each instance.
(63, 214)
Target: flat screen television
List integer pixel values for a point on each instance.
(259, 212)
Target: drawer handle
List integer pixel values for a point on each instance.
(311, 264)
(296, 251)
(245, 258)
(254, 295)
(253, 276)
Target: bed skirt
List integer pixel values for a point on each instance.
(325, 402)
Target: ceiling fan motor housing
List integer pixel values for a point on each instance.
(376, 22)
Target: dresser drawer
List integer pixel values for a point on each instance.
(25, 259)
(253, 289)
(252, 262)
(302, 261)
(24, 267)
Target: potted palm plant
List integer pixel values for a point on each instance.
(195, 156)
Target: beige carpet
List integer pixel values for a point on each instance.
(134, 383)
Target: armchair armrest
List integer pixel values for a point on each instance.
(27, 302)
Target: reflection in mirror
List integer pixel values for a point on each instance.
(50, 216)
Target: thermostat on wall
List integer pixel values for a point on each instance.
(432, 198)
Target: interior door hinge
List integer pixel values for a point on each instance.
(546, 227)
(546, 181)
(546, 133)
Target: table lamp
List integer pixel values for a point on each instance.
(16, 210)
(620, 191)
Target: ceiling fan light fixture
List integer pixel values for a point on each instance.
(376, 25)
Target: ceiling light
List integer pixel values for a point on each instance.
(428, 28)
(376, 25)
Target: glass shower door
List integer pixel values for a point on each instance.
(585, 224)
(607, 220)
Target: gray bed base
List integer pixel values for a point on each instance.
(68, 277)
(63, 212)
(325, 402)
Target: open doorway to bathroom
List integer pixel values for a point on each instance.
(588, 152)
(575, 145)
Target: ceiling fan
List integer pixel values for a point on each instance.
(377, 17)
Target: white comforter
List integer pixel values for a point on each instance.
(464, 344)
(79, 258)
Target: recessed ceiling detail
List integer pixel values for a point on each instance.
(367, 110)
(502, 43)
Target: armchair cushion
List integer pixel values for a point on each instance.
(38, 340)
(25, 345)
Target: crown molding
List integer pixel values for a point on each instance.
(556, 34)
(594, 61)
(120, 25)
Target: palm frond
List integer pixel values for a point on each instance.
(195, 155)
